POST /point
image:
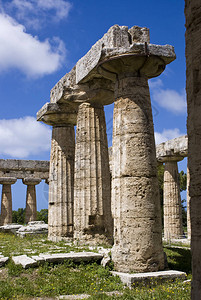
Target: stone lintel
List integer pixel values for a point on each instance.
(31, 181)
(118, 42)
(57, 115)
(7, 180)
(24, 168)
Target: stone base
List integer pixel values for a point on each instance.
(137, 278)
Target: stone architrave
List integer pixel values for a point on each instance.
(92, 210)
(193, 89)
(173, 228)
(6, 200)
(31, 206)
(61, 176)
(188, 205)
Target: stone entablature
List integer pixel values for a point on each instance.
(31, 172)
(175, 149)
(21, 169)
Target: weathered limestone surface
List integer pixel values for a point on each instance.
(135, 193)
(172, 202)
(6, 200)
(24, 168)
(193, 88)
(33, 227)
(130, 279)
(31, 208)
(188, 205)
(118, 41)
(92, 211)
(177, 147)
(61, 181)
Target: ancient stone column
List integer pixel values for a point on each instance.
(61, 176)
(188, 205)
(31, 206)
(61, 180)
(6, 199)
(193, 88)
(92, 211)
(173, 228)
(135, 191)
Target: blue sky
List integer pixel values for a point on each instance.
(41, 40)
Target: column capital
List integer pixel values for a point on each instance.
(171, 158)
(31, 181)
(58, 115)
(7, 180)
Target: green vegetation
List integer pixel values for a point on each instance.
(50, 280)
(19, 215)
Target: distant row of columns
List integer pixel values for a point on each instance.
(6, 199)
(172, 207)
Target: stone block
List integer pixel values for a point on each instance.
(130, 279)
(24, 261)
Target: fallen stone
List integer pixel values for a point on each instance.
(24, 261)
(10, 228)
(71, 297)
(34, 227)
(3, 261)
(130, 279)
(75, 257)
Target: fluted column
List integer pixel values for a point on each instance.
(92, 211)
(61, 180)
(135, 191)
(6, 199)
(31, 206)
(173, 228)
(188, 205)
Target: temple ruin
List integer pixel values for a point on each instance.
(116, 69)
(31, 173)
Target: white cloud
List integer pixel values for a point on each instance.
(26, 53)
(167, 134)
(23, 137)
(169, 99)
(35, 13)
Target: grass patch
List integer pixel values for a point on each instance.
(49, 280)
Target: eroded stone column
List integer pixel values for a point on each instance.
(135, 191)
(6, 199)
(173, 228)
(188, 205)
(92, 211)
(31, 206)
(61, 181)
(193, 88)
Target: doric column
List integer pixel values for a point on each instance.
(92, 211)
(31, 206)
(173, 228)
(6, 200)
(135, 191)
(61, 179)
(61, 176)
(188, 205)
